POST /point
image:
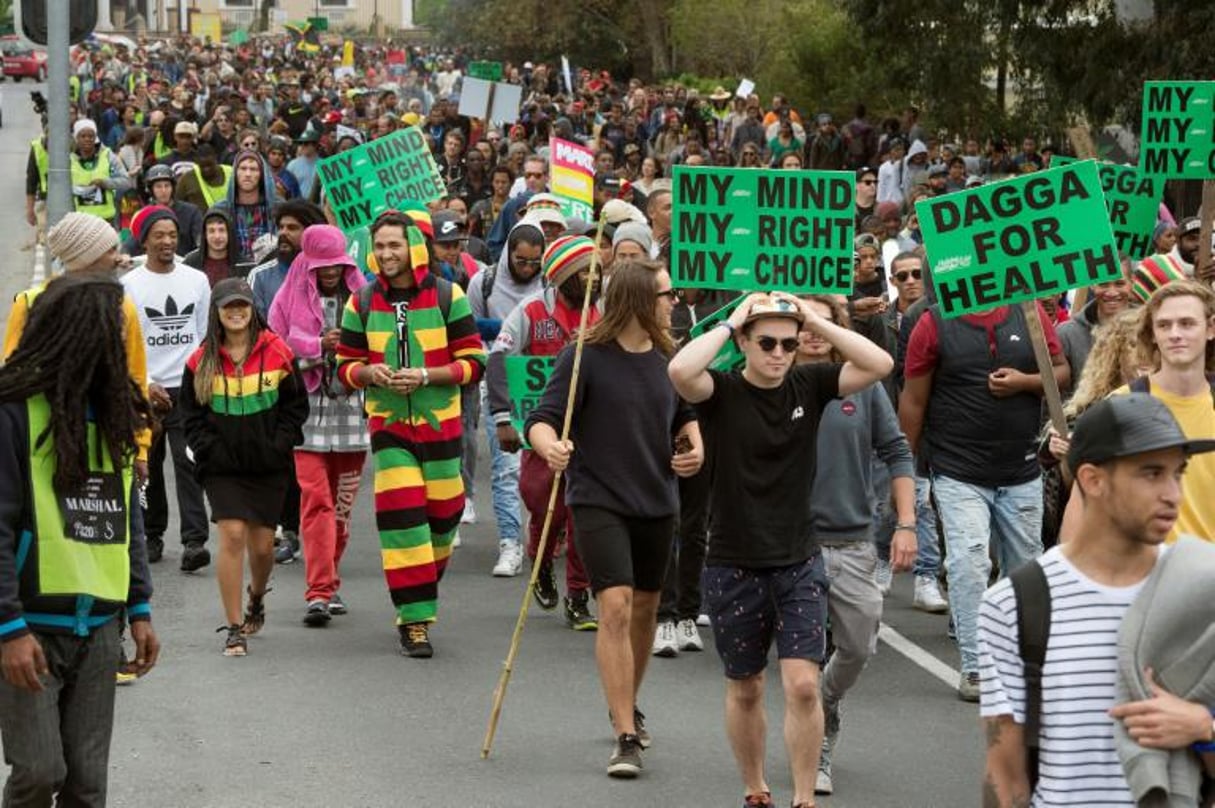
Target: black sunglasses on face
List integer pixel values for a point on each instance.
(866, 182)
(901, 277)
(671, 293)
(768, 344)
(528, 262)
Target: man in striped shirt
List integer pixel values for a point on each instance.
(1128, 455)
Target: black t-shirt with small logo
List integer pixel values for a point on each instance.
(762, 453)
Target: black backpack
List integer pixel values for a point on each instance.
(1144, 385)
(1033, 630)
(367, 292)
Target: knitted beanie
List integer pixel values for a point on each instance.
(144, 218)
(566, 256)
(1153, 273)
(634, 232)
(80, 239)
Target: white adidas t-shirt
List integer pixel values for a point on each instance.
(1077, 761)
(173, 309)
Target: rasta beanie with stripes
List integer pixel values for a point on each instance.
(566, 256)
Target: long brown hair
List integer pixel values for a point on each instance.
(210, 363)
(632, 294)
(839, 316)
(1182, 288)
(1114, 342)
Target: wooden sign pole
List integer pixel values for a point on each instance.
(1202, 263)
(1050, 387)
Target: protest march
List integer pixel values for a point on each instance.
(717, 376)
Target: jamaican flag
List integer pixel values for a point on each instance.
(304, 37)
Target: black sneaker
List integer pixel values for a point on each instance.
(578, 614)
(318, 613)
(545, 590)
(415, 640)
(626, 757)
(255, 613)
(289, 549)
(194, 557)
(337, 605)
(234, 643)
(156, 549)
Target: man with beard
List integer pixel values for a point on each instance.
(172, 300)
(541, 325)
(493, 294)
(251, 199)
(285, 183)
(203, 187)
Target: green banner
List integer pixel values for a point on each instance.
(385, 173)
(1019, 239)
(1133, 201)
(729, 357)
(319, 23)
(487, 71)
(742, 228)
(1178, 136)
(526, 378)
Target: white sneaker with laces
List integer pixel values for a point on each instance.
(884, 575)
(928, 596)
(703, 620)
(510, 559)
(665, 642)
(688, 636)
(470, 513)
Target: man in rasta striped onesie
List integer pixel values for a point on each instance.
(411, 341)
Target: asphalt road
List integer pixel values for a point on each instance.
(337, 717)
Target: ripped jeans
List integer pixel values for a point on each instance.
(971, 517)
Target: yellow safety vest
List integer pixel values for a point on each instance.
(213, 193)
(43, 161)
(82, 177)
(159, 148)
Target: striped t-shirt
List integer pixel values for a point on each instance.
(1077, 762)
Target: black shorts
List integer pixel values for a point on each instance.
(620, 550)
(750, 607)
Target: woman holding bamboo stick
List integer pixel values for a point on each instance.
(630, 436)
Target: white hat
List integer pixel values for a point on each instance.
(83, 124)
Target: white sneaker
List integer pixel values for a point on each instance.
(665, 642)
(703, 620)
(455, 542)
(470, 513)
(689, 636)
(884, 575)
(510, 559)
(928, 596)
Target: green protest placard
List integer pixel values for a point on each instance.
(742, 228)
(526, 378)
(1133, 200)
(487, 71)
(729, 357)
(385, 173)
(1019, 239)
(1178, 136)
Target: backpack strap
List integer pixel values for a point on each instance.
(487, 283)
(443, 288)
(365, 293)
(1033, 630)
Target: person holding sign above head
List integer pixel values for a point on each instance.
(630, 437)
(764, 578)
(971, 408)
(409, 340)
(540, 326)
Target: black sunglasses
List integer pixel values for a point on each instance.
(768, 344)
(901, 277)
(528, 262)
(866, 182)
(671, 293)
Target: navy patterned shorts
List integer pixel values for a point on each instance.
(751, 607)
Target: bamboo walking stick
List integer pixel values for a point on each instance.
(508, 665)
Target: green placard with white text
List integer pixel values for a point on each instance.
(1019, 239)
(526, 378)
(1133, 200)
(388, 172)
(742, 228)
(1177, 140)
(487, 71)
(729, 357)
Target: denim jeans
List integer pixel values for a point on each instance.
(508, 508)
(971, 517)
(928, 551)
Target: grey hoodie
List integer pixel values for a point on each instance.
(914, 174)
(1170, 628)
(506, 292)
(1076, 335)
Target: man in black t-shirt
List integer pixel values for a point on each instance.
(764, 577)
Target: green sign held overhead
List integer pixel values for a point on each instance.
(730, 357)
(1133, 201)
(1019, 239)
(742, 228)
(386, 173)
(526, 378)
(1178, 135)
(487, 71)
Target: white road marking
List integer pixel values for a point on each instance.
(919, 656)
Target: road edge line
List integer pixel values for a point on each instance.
(922, 658)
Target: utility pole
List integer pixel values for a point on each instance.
(58, 145)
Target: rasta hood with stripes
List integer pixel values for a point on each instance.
(255, 413)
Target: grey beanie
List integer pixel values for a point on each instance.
(80, 239)
(635, 232)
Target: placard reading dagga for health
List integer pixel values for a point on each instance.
(1019, 239)
(741, 228)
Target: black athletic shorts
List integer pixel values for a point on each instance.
(620, 550)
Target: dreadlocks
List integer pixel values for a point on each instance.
(73, 344)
